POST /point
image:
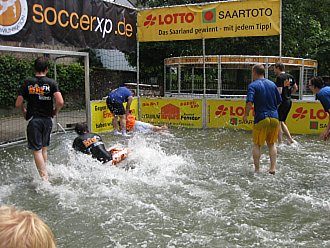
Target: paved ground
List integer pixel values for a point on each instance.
(13, 128)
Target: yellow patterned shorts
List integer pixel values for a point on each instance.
(265, 130)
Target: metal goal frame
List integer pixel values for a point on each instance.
(58, 54)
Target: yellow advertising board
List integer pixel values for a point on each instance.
(215, 20)
(227, 113)
(307, 118)
(304, 117)
(102, 118)
(172, 112)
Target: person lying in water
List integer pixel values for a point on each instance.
(91, 143)
(143, 127)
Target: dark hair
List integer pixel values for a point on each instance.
(317, 82)
(41, 64)
(326, 80)
(81, 128)
(259, 69)
(280, 66)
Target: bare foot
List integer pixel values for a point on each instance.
(44, 178)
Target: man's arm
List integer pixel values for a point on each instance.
(20, 105)
(294, 88)
(326, 134)
(128, 105)
(59, 103)
(279, 83)
(248, 107)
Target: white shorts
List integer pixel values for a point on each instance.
(143, 127)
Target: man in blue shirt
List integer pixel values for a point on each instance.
(316, 85)
(264, 95)
(115, 101)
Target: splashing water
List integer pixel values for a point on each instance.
(192, 188)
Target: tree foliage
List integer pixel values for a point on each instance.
(15, 70)
(12, 72)
(305, 31)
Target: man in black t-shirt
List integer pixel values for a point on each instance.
(286, 84)
(90, 143)
(39, 92)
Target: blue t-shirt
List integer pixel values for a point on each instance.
(265, 96)
(120, 95)
(324, 97)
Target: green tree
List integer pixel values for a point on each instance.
(305, 31)
(14, 71)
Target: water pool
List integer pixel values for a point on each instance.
(192, 188)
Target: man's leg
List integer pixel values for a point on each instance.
(164, 127)
(159, 129)
(272, 155)
(115, 122)
(40, 163)
(280, 134)
(123, 123)
(256, 152)
(45, 154)
(286, 131)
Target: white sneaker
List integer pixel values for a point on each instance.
(125, 134)
(116, 132)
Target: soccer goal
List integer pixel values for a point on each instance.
(15, 68)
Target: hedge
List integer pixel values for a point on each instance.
(13, 71)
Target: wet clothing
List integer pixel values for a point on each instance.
(116, 98)
(143, 127)
(39, 94)
(38, 132)
(324, 97)
(90, 143)
(283, 110)
(115, 108)
(120, 95)
(265, 130)
(138, 126)
(265, 96)
(286, 81)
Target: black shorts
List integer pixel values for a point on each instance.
(115, 108)
(283, 110)
(38, 132)
(101, 154)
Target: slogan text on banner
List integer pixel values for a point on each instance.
(102, 118)
(172, 112)
(216, 20)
